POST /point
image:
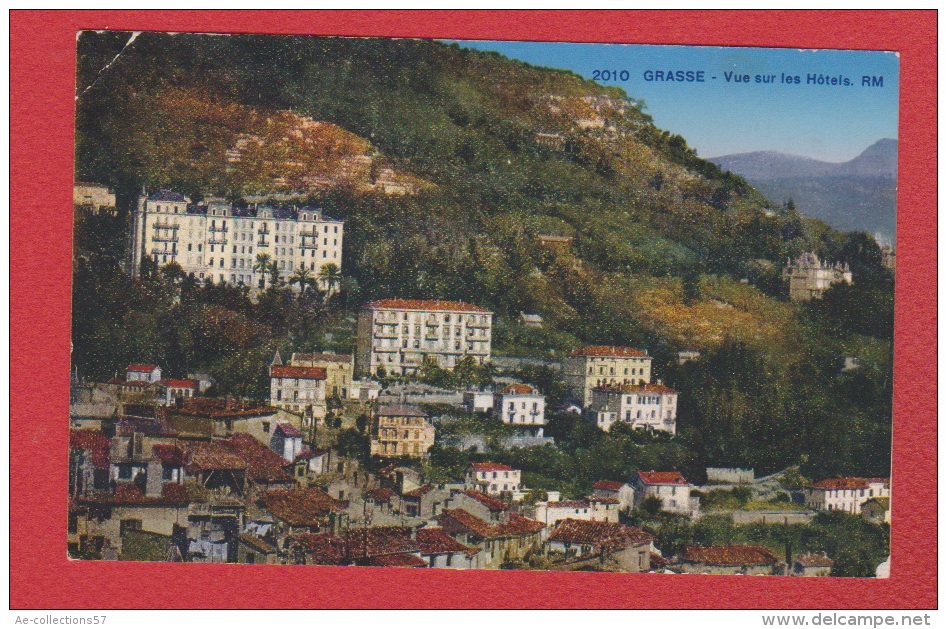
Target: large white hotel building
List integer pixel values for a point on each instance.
(218, 241)
(399, 334)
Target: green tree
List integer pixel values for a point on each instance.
(262, 266)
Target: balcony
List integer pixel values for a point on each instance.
(222, 230)
(262, 243)
(160, 225)
(217, 240)
(157, 238)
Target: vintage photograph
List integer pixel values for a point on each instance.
(482, 305)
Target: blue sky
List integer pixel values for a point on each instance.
(832, 123)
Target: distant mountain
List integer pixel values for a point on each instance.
(855, 195)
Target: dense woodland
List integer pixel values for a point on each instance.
(670, 253)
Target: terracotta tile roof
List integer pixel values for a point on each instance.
(491, 467)
(360, 543)
(381, 494)
(301, 507)
(299, 357)
(263, 465)
(847, 482)
(662, 478)
(403, 560)
(489, 502)
(288, 430)
(308, 454)
(172, 495)
(425, 305)
(93, 441)
(141, 367)
(729, 555)
(569, 504)
(518, 389)
(434, 541)
(169, 455)
(401, 410)
(205, 457)
(257, 544)
(609, 536)
(637, 388)
(420, 491)
(814, 560)
(604, 501)
(657, 561)
(303, 373)
(148, 426)
(179, 384)
(605, 351)
(461, 521)
(216, 408)
(608, 485)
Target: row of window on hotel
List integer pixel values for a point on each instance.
(601, 371)
(389, 317)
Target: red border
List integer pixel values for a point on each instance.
(42, 54)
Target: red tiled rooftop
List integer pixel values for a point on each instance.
(257, 544)
(608, 485)
(662, 478)
(288, 430)
(93, 441)
(606, 535)
(301, 507)
(381, 494)
(401, 560)
(141, 367)
(570, 504)
(418, 492)
(461, 521)
(425, 305)
(303, 373)
(637, 388)
(217, 408)
(263, 465)
(169, 455)
(434, 541)
(489, 502)
(179, 384)
(172, 495)
(491, 467)
(730, 555)
(607, 351)
(848, 482)
(518, 389)
(206, 457)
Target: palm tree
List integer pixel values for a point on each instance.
(303, 277)
(330, 276)
(275, 279)
(262, 266)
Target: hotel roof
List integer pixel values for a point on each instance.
(424, 305)
(606, 351)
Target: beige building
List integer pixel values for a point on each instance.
(845, 493)
(97, 198)
(402, 430)
(300, 390)
(642, 406)
(339, 369)
(399, 334)
(219, 241)
(597, 366)
(809, 277)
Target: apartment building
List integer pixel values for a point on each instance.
(300, 390)
(220, 241)
(397, 335)
(339, 368)
(598, 366)
(641, 406)
(521, 405)
(402, 430)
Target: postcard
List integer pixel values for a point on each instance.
(482, 305)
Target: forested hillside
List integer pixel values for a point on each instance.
(669, 252)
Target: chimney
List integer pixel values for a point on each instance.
(153, 480)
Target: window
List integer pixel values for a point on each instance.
(266, 427)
